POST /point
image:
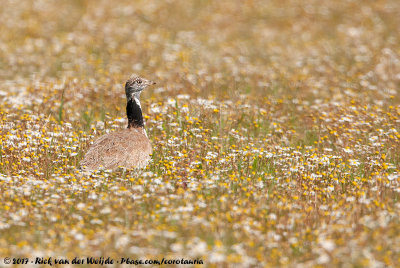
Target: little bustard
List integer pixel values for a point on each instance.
(129, 148)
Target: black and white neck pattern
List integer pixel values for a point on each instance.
(134, 111)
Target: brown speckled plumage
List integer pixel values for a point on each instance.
(126, 148)
(129, 148)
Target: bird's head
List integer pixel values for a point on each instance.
(135, 85)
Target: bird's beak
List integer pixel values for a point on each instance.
(149, 83)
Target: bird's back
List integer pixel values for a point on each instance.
(128, 148)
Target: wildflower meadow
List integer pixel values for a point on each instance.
(274, 125)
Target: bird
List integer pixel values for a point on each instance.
(129, 148)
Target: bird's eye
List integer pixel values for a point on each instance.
(139, 81)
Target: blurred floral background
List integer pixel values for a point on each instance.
(275, 126)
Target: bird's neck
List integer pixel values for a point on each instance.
(134, 112)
